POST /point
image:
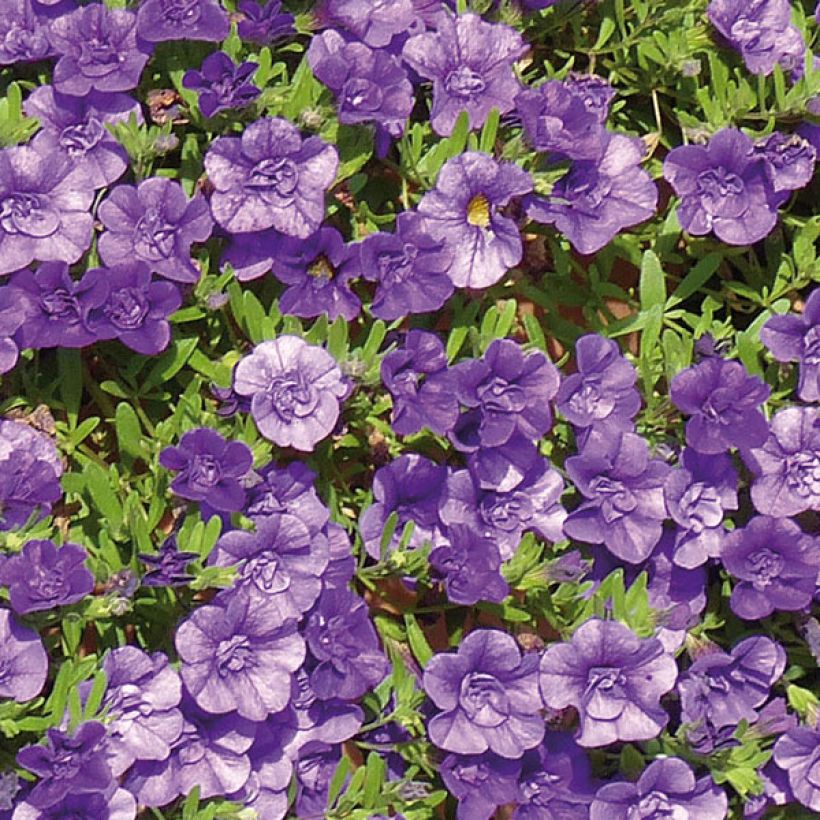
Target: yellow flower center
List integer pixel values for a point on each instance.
(478, 211)
(322, 269)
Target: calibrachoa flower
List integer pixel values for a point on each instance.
(43, 576)
(665, 788)
(625, 506)
(15, 308)
(222, 84)
(168, 568)
(613, 678)
(295, 389)
(287, 491)
(723, 399)
(270, 178)
(210, 469)
(470, 63)
(723, 187)
(156, 223)
(23, 660)
(113, 804)
(99, 50)
(373, 23)
(594, 90)
(787, 465)
(488, 697)
(23, 33)
(251, 255)
(263, 24)
(159, 20)
(798, 753)
(463, 211)
(235, 658)
(599, 198)
(789, 159)
(793, 338)
(777, 566)
(480, 783)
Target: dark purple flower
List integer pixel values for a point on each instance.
(470, 63)
(70, 764)
(787, 465)
(168, 568)
(421, 386)
(724, 689)
(373, 23)
(463, 211)
(480, 783)
(625, 506)
(23, 33)
(154, 222)
(341, 637)
(470, 563)
(613, 678)
(287, 491)
(270, 178)
(251, 255)
(789, 160)
(314, 767)
(798, 753)
(792, 338)
(222, 84)
(488, 694)
(263, 24)
(295, 389)
(23, 660)
(160, 20)
(281, 564)
(318, 272)
(722, 399)
(99, 50)
(597, 199)
(342, 566)
(667, 787)
(776, 565)
(42, 576)
(533, 506)
(236, 658)
(75, 128)
(723, 187)
(44, 208)
(410, 266)
(411, 486)
(112, 804)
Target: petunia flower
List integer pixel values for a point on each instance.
(160, 20)
(222, 84)
(263, 24)
(23, 659)
(798, 753)
(23, 33)
(374, 23)
(480, 783)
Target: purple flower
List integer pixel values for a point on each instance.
(787, 465)
(665, 788)
(602, 392)
(798, 753)
(70, 764)
(222, 84)
(251, 255)
(776, 564)
(480, 783)
(341, 637)
(16, 306)
(154, 222)
(410, 266)
(597, 199)
(287, 491)
(23, 33)
(789, 160)
(44, 209)
(533, 506)
(136, 307)
(295, 389)
(42, 576)
(318, 271)
(724, 689)
(141, 698)
(75, 128)
(168, 568)
(281, 564)
(488, 695)
(373, 23)
(793, 338)
(263, 24)
(159, 20)
(595, 91)
(722, 399)
(625, 506)
(470, 564)
(236, 658)
(99, 50)
(270, 178)
(411, 486)
(314, 767)
(558, 121)
(613, 678)
(463, 211)
(723, 187)
(210, 469)
(23, 660)
(369, 85)
(470, 63)
(421, 386)
(112, 804)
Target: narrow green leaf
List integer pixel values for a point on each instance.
(415, 637)
(653, 281)
(129, 432)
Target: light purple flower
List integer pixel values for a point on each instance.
(23, 659)
(798, 753)
(480, 783)
(159, 20)
(112, 804)
(23, 33)
(789, 159)
(287, 491)
(374, 23)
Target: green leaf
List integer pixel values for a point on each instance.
(418, 643)
(129, 432)
(98, 482)
(337, 781)
(170, 363)
(653, 282)
(486, 143)
(70, 368)
(696, 278)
